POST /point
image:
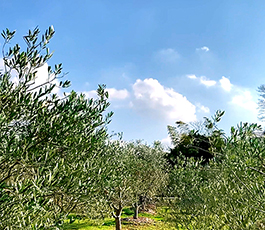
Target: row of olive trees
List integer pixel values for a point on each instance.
(56, 156)
(136, 171)
(228, 191)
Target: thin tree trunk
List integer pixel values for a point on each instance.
(136, 211)
(117, 216)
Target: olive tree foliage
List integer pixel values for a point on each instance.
(135, 170)
(244, 166)
(226, 193)
(191, 173)
(49, 145)
(150, 174)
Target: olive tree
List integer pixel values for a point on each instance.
(150, 175)
(135, 170)
(229, 191)
(49, 144)
(199, 140)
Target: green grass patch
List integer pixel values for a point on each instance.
(88, 224)
(160, 222)
(127, 212)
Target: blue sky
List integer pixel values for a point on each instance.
(162, 61)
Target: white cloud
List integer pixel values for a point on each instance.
(167, 55)
(207, 82)
(91, 94)
(203, 108)
(204, 48)
(225, 84)
(167, 142)
(245, 100)
(191, 76)
(153, 99)
(42, 77)
(114, 94)
(118, 94)
(1, 64)
(203, 80)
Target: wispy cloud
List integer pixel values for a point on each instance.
(204, 48)
(239, 97)
(225, 83)
(207, 82)
(203, 80)
(191, 76)
(244, 99)
(167, 56)
(203, 108)
(114, 94)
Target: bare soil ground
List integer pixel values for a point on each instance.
(139, 221)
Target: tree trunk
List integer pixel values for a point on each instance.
(117, 216)
(118, 222)
(136, 211)
(142, 201)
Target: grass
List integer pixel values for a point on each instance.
(109, 223)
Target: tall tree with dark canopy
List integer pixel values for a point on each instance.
(201, 143)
